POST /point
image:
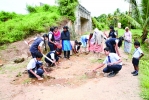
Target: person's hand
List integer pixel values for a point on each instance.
(110, 64)
(94, 71)
(39, 78)
(47, 74)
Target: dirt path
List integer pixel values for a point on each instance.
(70, 82)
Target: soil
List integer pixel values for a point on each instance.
(71, 80)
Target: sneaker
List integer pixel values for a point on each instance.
(112, 74)
(133, 72)
(116, 72)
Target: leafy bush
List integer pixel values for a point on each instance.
(20, 26)
(4, 16)
(67, 8)
(96, 24)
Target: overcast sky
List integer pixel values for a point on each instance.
(96, 7)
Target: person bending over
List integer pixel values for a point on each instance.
(54, 56)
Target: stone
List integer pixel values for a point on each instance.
(1, 65)
(19, 60)
(90, 74)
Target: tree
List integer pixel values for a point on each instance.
(67, 8)
(140, 16)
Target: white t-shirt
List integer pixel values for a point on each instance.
(137, 52)
(50, 35)
(31, 64)
(113, 57)
(52, 55)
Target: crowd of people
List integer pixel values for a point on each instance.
(60, 41)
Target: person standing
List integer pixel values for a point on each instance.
(51, 40)
(66, 45)
(57, 38)
(112, 33)
(127, 40)
(138, 53)
(113, 61)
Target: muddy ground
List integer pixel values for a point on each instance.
(71, 80)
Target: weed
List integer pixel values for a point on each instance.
(27, 81)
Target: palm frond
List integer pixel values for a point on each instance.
(145, 8)
(133, 21)
(146, 23)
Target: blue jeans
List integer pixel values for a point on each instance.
(39, 72)
(114, 68)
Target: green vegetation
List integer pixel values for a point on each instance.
(16, 27)
(144, 62)
(139, 16)
(67, 8)
(21, 26)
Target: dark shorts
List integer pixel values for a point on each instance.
(135, 61)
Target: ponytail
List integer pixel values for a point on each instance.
(44, 36)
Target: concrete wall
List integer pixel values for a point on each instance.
(83, 21)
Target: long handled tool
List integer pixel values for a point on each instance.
(42, 53)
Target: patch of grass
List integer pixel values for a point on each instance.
(3, 47)
(27, 81)
(9, 68)
(133, 31)
(83, 77)
(144, 79)
(97, 60)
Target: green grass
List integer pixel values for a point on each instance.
(144, 63)
(133, 31)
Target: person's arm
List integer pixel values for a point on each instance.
(141, 52)
(53, 58)
(105, 34)
(33, 39)
(101, 65)
(34, 73)
(141, 55)
(115, 63)
(40, 46)
(116, 48)
(50, 37)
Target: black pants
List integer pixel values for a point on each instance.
(51, 46)
(67, 54)
(114, 68)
